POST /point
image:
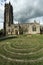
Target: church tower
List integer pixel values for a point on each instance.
(8, 17)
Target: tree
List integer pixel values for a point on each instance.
(1, 32)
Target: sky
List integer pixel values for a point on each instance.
(23, 11)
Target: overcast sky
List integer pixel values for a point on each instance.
(24, 10)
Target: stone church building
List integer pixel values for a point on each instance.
(22, 28)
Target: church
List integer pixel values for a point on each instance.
(21, 28)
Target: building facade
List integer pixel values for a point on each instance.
(21, 28)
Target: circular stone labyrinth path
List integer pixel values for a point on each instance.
(20, 54)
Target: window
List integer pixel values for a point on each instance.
(16, 32)
(9, 30)
(12, 30)
(34, 28)
(15, 26)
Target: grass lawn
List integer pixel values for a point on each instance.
(23, 50)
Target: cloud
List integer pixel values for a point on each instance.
(27, 9)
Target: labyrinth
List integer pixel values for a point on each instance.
(23, 50)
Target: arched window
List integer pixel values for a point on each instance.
(9, 30)
(33, 28)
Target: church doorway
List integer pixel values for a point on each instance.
(16, 32)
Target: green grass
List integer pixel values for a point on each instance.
(23, 50)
